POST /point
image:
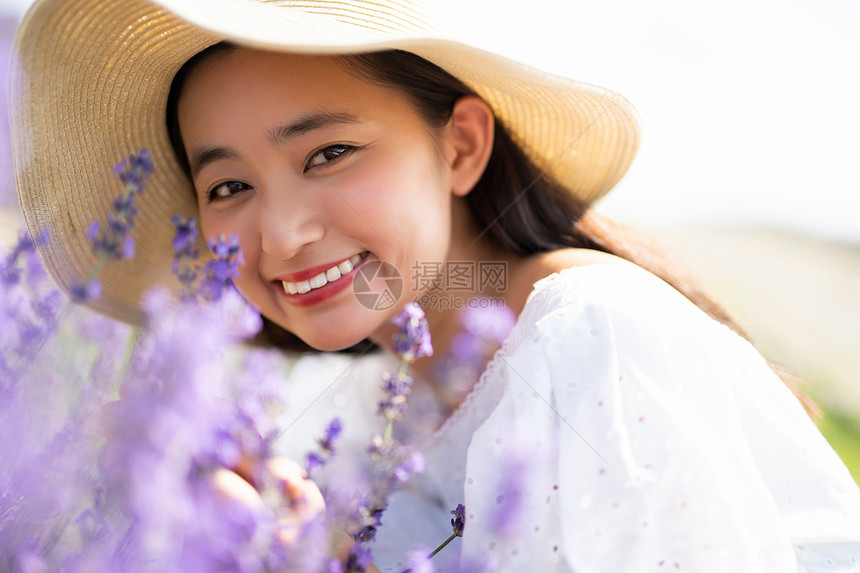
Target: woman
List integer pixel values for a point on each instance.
(645, 434)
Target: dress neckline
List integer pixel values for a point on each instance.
(534, 302)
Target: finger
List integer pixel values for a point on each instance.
(303, 494)
(232, 488)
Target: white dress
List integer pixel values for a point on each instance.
(632, 432)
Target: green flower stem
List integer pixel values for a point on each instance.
(441, 547)
(97, 268)
(389, 428)
(389, 423)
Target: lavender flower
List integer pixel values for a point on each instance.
(186, 236)
(458, 522)
(360, 515)
(397, 389)
(174, 440)
(332, 433)
(412, 340)
(359, 559)
(134, 169)
(185, 255)
(265, 398)
(153, 498)
(219, 272)
(11, 272)
(29, 306)
(326, 442)
(115, 241)
(81, 292)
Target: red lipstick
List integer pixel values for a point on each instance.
(323, 293)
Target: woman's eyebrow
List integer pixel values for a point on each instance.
(310, 122)
(202, 156)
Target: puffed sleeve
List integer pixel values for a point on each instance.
(635, 434)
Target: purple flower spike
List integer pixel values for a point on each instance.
(314, 463)
(93, 231)
(326, 442)
(128, 248)
(458, 522)
(114, 241)
(185, 255)
(218, 273)
(186, 235)
(332, 433)
(413, 337)
(82, 292)
(10, 273)
(134, 169)
(359, 559)
(396, 389)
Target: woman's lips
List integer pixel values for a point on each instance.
(318, 277)
(324, 284)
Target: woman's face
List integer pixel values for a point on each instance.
(316, 171)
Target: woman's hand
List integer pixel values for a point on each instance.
(304, 499)
(305, 502)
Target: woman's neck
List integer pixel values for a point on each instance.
(475, 269)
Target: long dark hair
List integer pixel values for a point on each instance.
(518, 207)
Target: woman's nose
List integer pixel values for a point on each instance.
(287, 226)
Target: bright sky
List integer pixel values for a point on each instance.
(750, 108)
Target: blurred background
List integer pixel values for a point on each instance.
(748, 170)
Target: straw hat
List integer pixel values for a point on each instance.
(90, 87)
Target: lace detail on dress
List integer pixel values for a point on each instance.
(467, 405)
(540, 299)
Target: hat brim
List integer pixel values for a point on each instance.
(90, 84)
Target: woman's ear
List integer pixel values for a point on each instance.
(472, 133)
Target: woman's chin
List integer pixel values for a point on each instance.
(332, 341)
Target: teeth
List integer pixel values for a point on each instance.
(322, 279)
(318, 281)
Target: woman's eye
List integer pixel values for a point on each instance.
(327, 155)
(227, 189)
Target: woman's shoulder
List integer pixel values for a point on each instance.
(537, 267)
(589, 276)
